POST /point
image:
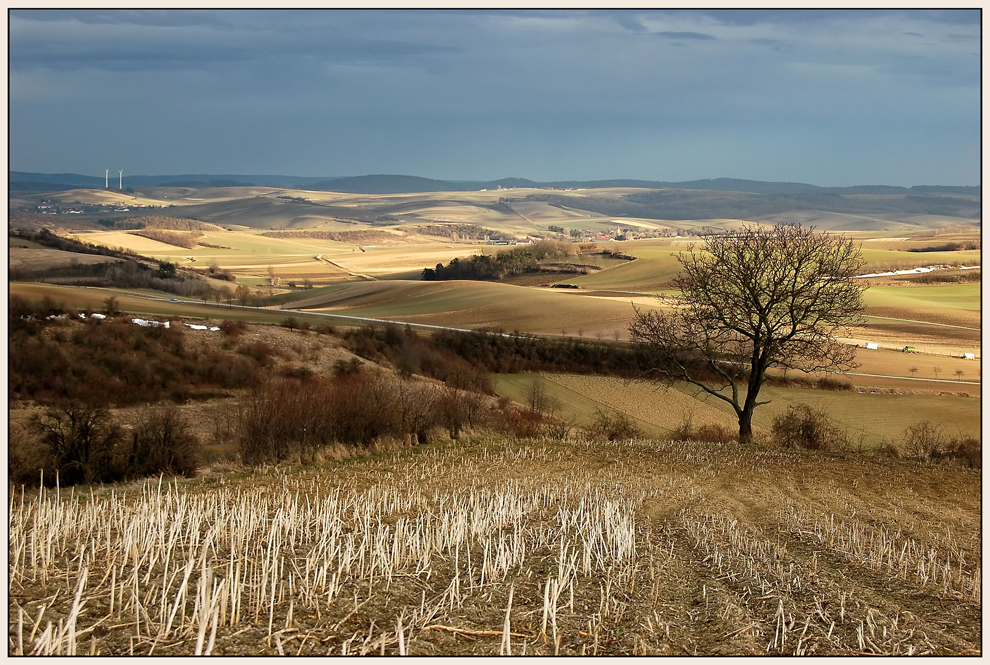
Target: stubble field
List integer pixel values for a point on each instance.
(517, 547)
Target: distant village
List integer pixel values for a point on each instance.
(77, 208)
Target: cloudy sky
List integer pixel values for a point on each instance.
(823, 97)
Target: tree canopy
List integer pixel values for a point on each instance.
(761, 297)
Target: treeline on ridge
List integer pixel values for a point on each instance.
(155, 222)
(466, 358)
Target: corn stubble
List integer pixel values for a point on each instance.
(502, 547)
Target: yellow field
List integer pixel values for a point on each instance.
(479, 304)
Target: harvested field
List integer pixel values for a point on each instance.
(510, 547)
(30, 258)
(467, 304)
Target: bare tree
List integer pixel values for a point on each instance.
(243, 294)
(759, 298)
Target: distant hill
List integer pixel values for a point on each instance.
(402, 184)
(51, 182)
(388, 184)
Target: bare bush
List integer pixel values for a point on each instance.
(925, 440)
(82, 441)
(613, 426)
(802, 426)
(929, 442)
(163, 443)
(714, 433)
(967, 451)
(26, 460)
(709, 433)
(232, 328)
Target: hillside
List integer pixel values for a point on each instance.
(501, 546)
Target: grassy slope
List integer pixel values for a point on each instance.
(658, 411)
(953, 304)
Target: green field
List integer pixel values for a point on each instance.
(951, 304)
(864, 415)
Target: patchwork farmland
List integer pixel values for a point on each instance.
(520, 502)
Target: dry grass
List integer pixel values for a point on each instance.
(504, 547)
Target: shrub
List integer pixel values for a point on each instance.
(26, 460)
(82, 440)
(233, 329)
(515, 422)
(261, 352)
(163, 443)
(925, 440)
(930, 443)
(888, 449)
(268, 421)
(801, 426)
(967, 451)
(710, 433)
(715, 433)
(685, 430)
(613, 426)
(347, 367)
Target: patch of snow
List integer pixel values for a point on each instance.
(144, 323)
(913, 271)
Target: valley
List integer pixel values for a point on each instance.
(396, 465)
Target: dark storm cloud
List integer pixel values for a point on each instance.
(164, 39)
(482, 94)
(667, 34)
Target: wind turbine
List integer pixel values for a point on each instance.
(107, 185)
(121, 186)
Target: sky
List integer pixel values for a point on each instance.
(831, 98)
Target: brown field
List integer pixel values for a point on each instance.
(462, 304)
(510, 547)
(30, 258)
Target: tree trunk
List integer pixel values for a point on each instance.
(746, 425)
